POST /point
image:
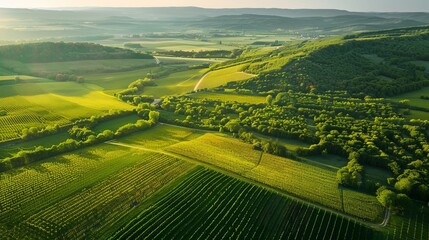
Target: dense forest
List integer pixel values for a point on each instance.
(60, 52)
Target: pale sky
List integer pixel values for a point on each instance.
(351, 5)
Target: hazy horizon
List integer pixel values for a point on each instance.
(349, 5)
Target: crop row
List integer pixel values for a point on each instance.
(311, 183)
(209, 205)
(413, 226)
(74, 216)
(96, 184)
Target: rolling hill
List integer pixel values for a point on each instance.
(375, 63)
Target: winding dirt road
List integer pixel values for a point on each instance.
(200, 81)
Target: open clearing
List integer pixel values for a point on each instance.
(162, 44)
(221, 77)
(414, 97)
(161, 136)
(41, 104)
(176, 83)
(229, 97)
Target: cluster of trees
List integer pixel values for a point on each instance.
(83, 137)
(424, 97)
(351, 175)
(35, 132)
(64, 77)
(80, 133)
(60, 51)
(396, 202)
(131, 94)
(367, 131)
(94, 120)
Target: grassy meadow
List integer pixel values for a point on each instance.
(161, 136)
(162, 44)
(229, 97)
(220, 77)
(414, 98)
(79, 67)
(175, 84)
(40, 104)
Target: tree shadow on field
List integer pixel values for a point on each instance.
(89, 155)
(40, 168)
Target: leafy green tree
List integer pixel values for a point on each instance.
(386, 197)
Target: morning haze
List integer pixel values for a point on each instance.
(350, 5)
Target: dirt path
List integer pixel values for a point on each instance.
(386, 218)
(200, 81)
(157, 60)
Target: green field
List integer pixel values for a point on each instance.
(415, 114)
(12, 79)
(229, 97)
(209, 205)
(79, 67)
(161, 136)
(116, 123)
(9, 149)
(162, 44)
(309, 182)
(413, 226)
(40, 104)
(88, 191)
(221, 77)
(175, 78)
(118, 80)
(176, 83)
(414, 98)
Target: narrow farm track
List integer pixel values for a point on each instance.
(386, 218)
(237, 176)
(200, 81)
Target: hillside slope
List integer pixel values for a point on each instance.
(376, 63)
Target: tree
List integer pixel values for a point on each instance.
(233, 125)
(404, 185)
(154, 116)
(269, 100)
(386, 197)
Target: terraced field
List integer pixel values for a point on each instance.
(209, 205)
(309, 182)
(88, 191)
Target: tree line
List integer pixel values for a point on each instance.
(81, 136)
